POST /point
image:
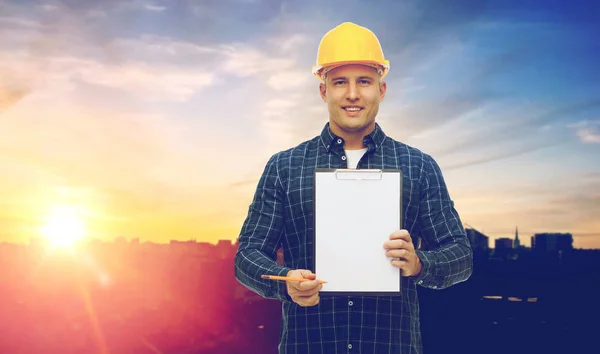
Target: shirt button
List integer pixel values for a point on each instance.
(349, 346)
(350, 303)
(420, 282)
(344, 158)
(339, 141)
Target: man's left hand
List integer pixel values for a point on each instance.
(401, 248)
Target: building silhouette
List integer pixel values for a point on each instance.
(552, 242)
(503, 243)
(479, 241)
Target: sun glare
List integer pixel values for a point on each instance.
(63, 227)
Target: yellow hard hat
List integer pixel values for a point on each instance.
(349, 43)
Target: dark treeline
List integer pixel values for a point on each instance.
(182, 298)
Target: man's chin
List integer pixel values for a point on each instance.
(355, 128)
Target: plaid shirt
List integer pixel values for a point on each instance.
(281, 215)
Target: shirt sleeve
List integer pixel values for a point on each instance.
(260, 236)
(446, 255)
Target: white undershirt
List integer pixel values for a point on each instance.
(354, 156)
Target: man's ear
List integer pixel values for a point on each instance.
(323, 91)
(382, 90)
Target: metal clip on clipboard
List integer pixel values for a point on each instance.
(358, 174)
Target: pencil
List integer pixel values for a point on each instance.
(277, 277)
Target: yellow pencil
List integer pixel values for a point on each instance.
(277, 277)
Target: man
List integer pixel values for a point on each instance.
(351, 65)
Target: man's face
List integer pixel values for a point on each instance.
(352, 94)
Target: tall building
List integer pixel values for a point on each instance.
(517, 243)
(478, 241)
(552, 242)
(503, 243)
(503, 247)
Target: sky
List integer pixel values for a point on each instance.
(156, 118)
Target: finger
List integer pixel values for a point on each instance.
(299, 273)
(294, 293)
(305, 273)
(301, 297)
(294, 284)
(393, 244)
(401, 264)
(314, 300)
(400, 235)
(397, 253)
(304, 286)
(398, 244)
(406, 267)
(309, 285)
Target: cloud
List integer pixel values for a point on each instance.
(514, 126)
(159, 82)
(159, 49)
(147, 67)
(289, 43)
(155, 8)
(278, 108)
(589, 135)
(56, 51)
(587, 131)
(6, 23)
(274, 63)
(421, 118)
(140, 67)
(144, 81)
(288, 80)
(576, 211)
(543, 203)
(155, 152)
(10, 96)
(244, 60)
(501, 155)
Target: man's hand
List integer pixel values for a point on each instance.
(400, 247)
(304, 293)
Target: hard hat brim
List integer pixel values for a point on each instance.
(319, 70)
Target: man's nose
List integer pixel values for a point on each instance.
(352, 92)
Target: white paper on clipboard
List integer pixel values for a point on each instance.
(355, 212)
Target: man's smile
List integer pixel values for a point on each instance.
(352, 110)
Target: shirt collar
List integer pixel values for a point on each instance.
(373, 141)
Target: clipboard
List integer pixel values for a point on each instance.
(355, 211)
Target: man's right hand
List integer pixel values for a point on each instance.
(304, 293)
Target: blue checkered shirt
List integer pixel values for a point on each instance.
(281, 215)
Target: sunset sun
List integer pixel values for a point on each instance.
(63, 227)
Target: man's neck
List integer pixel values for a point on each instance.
(353, 140)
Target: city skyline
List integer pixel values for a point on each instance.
(155, 119)
(479, 241)
(129, 297)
